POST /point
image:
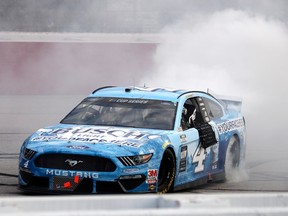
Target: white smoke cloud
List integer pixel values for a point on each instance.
(229, 46)
(233, 53)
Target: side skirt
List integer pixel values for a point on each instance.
(217, 177)
(192, 184)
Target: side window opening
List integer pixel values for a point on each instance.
(206, 132)
(214, 109)
(192, 114)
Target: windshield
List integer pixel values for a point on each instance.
(138, 113)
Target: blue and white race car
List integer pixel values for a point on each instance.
(136, 140)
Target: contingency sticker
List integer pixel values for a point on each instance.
(152, 179)
(183, 156)
(65, 183)
(152, 176)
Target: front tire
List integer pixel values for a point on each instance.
(232, 159)
(166, 172)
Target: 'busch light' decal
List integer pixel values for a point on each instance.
(95, 135)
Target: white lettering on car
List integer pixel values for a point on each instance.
(95, 135)
(66, 173)
(230, 125)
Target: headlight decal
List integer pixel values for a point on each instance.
(28, 153)
(135, 160)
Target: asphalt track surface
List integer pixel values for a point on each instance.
(266, 169)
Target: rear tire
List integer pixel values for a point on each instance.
(166, 172)
(232, 159)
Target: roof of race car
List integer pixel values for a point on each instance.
(143, 92)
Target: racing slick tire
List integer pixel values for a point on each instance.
(167, 172)
(232, 159)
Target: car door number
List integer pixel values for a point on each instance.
(199, 157)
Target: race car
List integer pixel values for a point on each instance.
(136, 140)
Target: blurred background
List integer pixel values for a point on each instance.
(217, 42)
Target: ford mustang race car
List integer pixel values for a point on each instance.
(136, 140)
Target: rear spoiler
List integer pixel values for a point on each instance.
(228, 102)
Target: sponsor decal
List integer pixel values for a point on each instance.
(230, 125)
(132, 170)
(152, 187)
(152, 176)
(124, 100)
(183, 138)
(215, 154)
(183, 156)
(77, 147)
(95, 135)
(70, 173)
(90, 131)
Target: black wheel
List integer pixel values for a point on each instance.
(232, 159)
(166, 172)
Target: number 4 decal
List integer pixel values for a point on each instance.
(198, 157)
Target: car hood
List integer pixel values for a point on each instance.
(112, 140)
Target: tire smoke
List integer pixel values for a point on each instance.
(234, 53)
